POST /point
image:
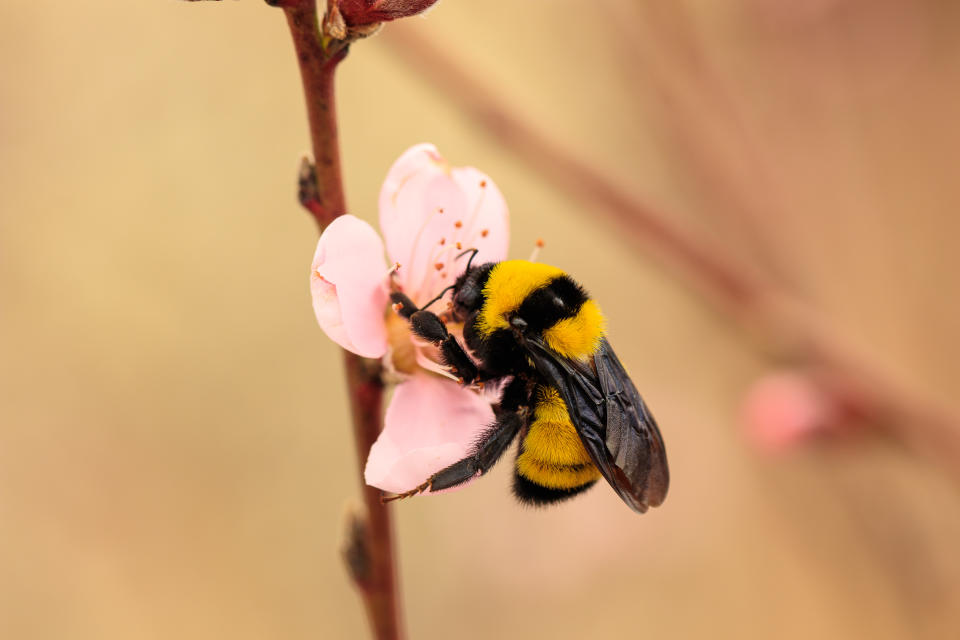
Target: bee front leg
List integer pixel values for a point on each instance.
(429, 326)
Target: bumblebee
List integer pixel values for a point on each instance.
(566, 394)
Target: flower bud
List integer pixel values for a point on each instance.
(358, 13)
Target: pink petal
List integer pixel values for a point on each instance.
(784, 409)
(430, 424)
(421, 203)
(347, 283)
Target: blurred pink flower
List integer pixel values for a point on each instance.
(429, 213)
(782, 410)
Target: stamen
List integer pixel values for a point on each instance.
(397, 306)
(536, 250)
(465, 234)
(430, 365)
(392, 270)
(478, 205)
(432, 280)
(419, 237)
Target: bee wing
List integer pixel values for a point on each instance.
(615, 426)
(632, 438)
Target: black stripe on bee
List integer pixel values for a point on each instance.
(499, 351)
(560, 298)
(534, 494)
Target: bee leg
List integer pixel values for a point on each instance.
(407, 494)
(403, 305)
(488, 450)
(430, 327)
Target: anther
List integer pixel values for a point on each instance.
(438, 266)
(443, 275)
(392, 270)
(485, 233)
(458, 224)
(443, 241)
(439, 209)
(483, 183)
(397, 306)
(536, 250)
(459, 380)
(459, 246)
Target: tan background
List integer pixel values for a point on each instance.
(174, 451)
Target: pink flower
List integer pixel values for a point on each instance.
(429, 213)
(784, 409)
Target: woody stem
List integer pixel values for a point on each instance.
(369, 551)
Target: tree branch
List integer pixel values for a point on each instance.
(318, 65)
(369, 552)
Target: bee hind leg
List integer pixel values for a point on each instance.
(488, 450)
(491, 447)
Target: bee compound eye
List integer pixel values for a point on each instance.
(518, 323)
(466, 297)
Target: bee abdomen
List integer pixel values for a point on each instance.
(552, 463)
(556, 476)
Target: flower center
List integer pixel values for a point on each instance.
(407, 354)
(402, 352)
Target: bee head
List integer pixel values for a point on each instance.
(468, 291)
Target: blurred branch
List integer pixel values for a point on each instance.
(370, 553)
(661, 57)
(785, 324)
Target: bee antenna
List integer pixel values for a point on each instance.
(474, 251)
(439, 295)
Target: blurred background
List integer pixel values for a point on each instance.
(175, 452)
